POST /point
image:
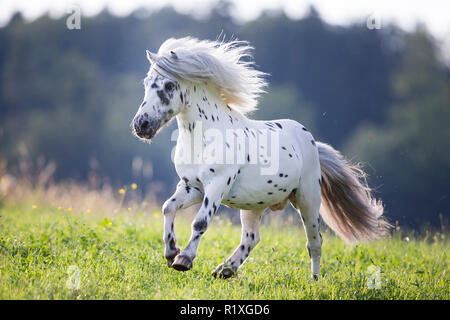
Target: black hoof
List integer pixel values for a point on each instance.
(171, 258)
(182, 263)
(224, 272)
(315, 277)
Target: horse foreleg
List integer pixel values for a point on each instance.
(214, 192)
(250, 220)
(184, 197)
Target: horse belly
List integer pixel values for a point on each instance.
(252, 191)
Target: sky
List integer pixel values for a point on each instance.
(405, 13)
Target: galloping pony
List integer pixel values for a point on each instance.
(223, 157)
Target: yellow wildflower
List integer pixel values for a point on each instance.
(34, 206)
(88, 210)
(134, 186)
(122, 191)
(59, 208)
(69, 209)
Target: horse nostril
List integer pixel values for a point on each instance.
(145, 124)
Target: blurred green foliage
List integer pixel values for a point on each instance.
(410, 151)
(382, 95)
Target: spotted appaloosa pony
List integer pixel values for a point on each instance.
(211, 85)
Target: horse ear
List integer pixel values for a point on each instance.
(174, 55)
(151, 56)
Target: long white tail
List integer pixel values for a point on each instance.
(348, 206)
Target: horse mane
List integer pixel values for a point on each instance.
(227, 65)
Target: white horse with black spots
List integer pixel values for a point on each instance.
(209, 87)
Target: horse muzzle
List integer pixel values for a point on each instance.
(145, 127)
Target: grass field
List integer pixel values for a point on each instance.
(47, 253)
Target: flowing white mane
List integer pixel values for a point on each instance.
(219, 62)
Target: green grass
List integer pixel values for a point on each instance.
(122, 258)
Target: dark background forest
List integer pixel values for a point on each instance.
(382, 96)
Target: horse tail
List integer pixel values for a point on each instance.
(348, 206)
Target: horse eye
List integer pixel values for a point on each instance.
(169, 86)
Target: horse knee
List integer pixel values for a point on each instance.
(168, 207)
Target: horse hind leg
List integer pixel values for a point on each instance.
(250, 220)
(306, 199)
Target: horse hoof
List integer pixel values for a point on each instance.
(182, 263)
(224, 272)
(171, 258)
(315, 277)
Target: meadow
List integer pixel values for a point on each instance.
(66, 242)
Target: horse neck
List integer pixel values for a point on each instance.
(204, 104)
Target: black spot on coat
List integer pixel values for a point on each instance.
(172, 245)
(162, 97)
(200, 225)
